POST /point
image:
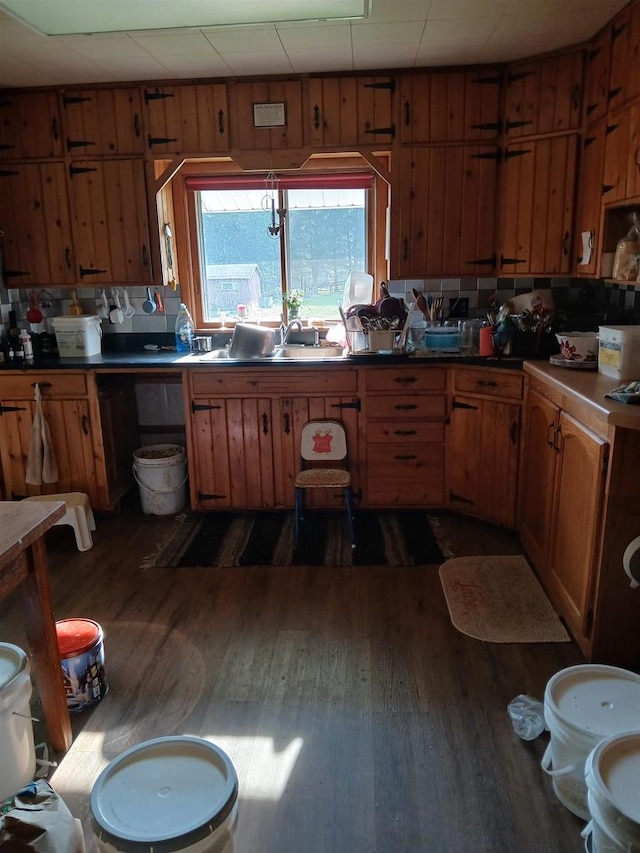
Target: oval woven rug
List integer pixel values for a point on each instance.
(499, 600)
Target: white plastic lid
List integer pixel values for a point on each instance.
(168, 789)
(594, 698)
(13, 661)
(613, 773)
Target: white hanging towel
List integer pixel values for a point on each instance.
(42, 466)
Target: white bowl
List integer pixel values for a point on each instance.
(578, 346)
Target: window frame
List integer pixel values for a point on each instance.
(187, 222)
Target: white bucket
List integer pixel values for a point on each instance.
(78, 336)
(168, 794)
(583, 705)
(161, 472)
(17, 749)
(612, 774)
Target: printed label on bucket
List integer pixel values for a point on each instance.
(84, 678)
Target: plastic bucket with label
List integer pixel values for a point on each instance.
(583, 705)
(17, 749)
(161, 473)
(612, 774)
(172, 794)
(81, 647)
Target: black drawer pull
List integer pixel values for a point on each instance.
(405, 457)
(404, 432)
(405, 407)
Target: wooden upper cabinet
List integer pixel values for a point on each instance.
(34, 216)
(244, 96)
(443, 211)
(624, 78)
(102, 122)
(544, 95)
(189, 119)
(29, 125)
(589, 215)
(342, 111)
(598, 65)
(621, 179)
(110, 222)
(537, 206)
(443, 106)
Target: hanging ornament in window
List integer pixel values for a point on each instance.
(269, 203)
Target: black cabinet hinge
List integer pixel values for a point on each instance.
(488, 81)
(382, 84)
(160, 140)
(484, 262)
(15, 273)
(610, 128)
(519, 75)
(616, 32)
(611, 94)
(511, 125)
(488, 125)
(353, 404)
(8, 173)
(507, 261)
(606, 188)
(205, 496)
(156, 96)
(517, 152)
(84, 271)
(80, 170)
(203, 407)
(488, 155)
(458, 405)
(4, 409)
(75, 99)
(78, 143)
(591, 108)
(378, 131)
(6, 147)
(589, 140)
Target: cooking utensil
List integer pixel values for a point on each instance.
(103, 308)
(148, 306)
(158, 300)
(34, 314)
(115, 315)
(128, 309)
(75, 309)
(421, 304)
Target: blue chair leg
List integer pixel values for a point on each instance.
(348, 499)
(298, 515)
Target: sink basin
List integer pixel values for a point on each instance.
(223, 353)
(307, 353)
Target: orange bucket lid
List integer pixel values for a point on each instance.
(76, 636)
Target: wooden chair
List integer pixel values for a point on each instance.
(323, 442)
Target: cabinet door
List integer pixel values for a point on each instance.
(34, 214)
(29, 125)
(451, 106)
(598, 63)
(624, 78)
(187, 119)
(484, 482)
(103, 122)
(443, 211)
(250, 132)
(110, 222)
(544, 95)
(537, 478)
(621, 178)
(537, 206)
(70, 425)
(590, 197)
(578, 490)
(347, 111)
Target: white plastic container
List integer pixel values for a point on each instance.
(161, 472)
(583, 705)
(619, 352)
(612, 775)
(17, 749)
(358, 290)
(172, 794)
(78, 336)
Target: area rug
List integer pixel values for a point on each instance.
(499, 600)
(404, 538)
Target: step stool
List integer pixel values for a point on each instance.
(79, 515)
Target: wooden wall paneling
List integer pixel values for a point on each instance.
(34, 212)
(30, 125)
(103, 122)
(589, 212)
(245, 136)
(597, 68)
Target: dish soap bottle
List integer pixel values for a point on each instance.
(184, 329)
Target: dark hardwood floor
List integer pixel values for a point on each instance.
(358, 719)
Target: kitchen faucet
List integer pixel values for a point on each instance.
(297, 323)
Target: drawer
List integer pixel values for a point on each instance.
(401, 407)
(233, 381)
(405, 378)
(379, 432)
(488, 382)
(405, 475)
(58, 385)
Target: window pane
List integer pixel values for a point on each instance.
(240, 260)
(326, 241)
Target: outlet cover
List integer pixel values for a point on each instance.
(459, 307)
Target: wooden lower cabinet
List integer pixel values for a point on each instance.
(74, 413)
(244, 442)
(404, 426)
(563, 477)
(483, 445)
